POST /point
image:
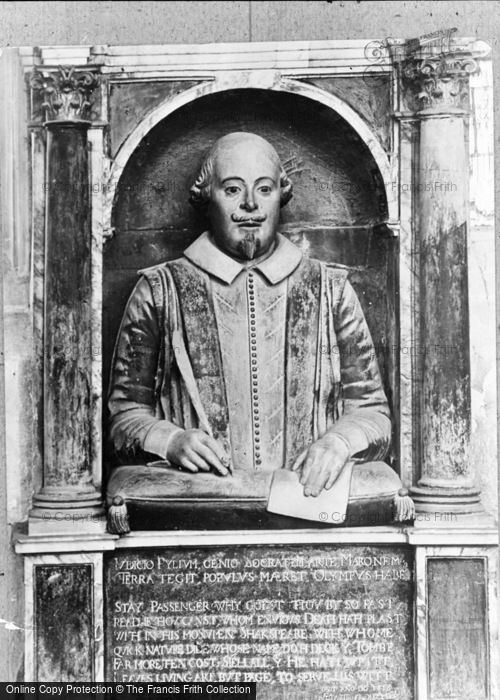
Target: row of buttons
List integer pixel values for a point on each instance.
(253, 362)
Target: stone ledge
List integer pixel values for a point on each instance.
(59, 543)
(482, 535)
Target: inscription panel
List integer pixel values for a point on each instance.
(334, 619)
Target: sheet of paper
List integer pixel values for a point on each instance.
(286, 497)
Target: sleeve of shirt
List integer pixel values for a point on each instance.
(365, 423)
(133, 421)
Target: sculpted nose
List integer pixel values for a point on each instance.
(248, 203)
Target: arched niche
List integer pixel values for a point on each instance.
(338, 212)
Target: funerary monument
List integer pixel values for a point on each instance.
(260, 435)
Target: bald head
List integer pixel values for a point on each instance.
(241, 187)
(245, 143)
(237, 146)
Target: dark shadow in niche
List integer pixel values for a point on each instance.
(337, 214)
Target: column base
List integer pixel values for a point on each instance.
(432, 499)
(69, 510)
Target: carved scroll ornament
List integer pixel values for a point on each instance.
(440, 82)
(66, 93)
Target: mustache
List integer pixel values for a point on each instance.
(248, 219)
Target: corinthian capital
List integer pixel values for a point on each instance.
(438, 83)
(64, 94)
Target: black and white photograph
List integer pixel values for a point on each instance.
(249, 337)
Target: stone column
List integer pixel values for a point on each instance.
(68, 500)
(436, 87)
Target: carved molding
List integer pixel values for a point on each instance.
(408, 127)
(65, 94)
(440, 82)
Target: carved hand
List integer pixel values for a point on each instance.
(196, 451)
(322, 463)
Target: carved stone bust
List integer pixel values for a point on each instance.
(244, 358)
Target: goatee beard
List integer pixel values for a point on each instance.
(249, 246)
